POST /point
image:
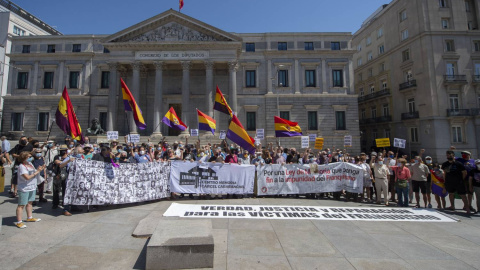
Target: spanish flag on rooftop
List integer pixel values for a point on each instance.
(285, 128)
(205, 122)
(221, 104)
(171, 119)
(67, 119)
(237, 134)
(130, 105)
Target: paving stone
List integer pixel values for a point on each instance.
(440, 265)
(254, 242)
(379, 264)
(250, 224)
(360, 246)
(303, 243)
(319, 263)
(252, 262)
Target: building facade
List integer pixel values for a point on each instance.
(417, 74)
(15, 21)
(173, 60)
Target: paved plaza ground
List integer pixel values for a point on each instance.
(101, 239)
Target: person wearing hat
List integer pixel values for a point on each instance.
(114, 147)
(38, 161)
(61, 166)
(474, 183)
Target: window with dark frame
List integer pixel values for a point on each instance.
(26, 49)
(51, 49)
(105, 79)
(283, 78)
(102, 118)
(250, 47)
(42, 121)
(282, 46)
(308, 46)
(77, 48)
(251, 121)
(73, 79)
(48, 80)
(17, 122)
(250, 78)
(340, 120)
(105, 50)
(337, 78)
(22, 80)
(335, 46)
(312, 120)
(285, 115)
(310, 78)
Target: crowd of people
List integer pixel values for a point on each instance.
(40, 168)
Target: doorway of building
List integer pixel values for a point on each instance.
(178, 109)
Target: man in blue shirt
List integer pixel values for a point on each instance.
(5, 144)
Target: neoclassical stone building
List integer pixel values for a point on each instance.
(173, 60)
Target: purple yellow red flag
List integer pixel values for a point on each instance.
(130, 105)
(285, 128)
(237, 134)
(67, 119)
(221, 104)
(438, 184)
(171, 119)
(205, 122)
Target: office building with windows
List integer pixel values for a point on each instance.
(15, 21)
(417, 74)
(173, 60)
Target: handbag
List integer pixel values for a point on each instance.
(401, 183)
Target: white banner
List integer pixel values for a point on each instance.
(261, 134)
(276, 179)
(112, 135)
(133, 138)
(211, 178)
(312, 137)
(304, 212)
(223, 135)
(400, 143)
(96, 183)
(305, 142)
(194, 132)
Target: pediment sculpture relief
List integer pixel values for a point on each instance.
(173, 32)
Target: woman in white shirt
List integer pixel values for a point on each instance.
(27, 186)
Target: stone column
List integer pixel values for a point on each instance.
(135, 89)
(297, 77)
(158, 98)
(13, 78)
(185, 94)
(112, 97)
(270, 77)
(233, 67)
(61, 82)
(209, 94)
(324, 77)
(34, 85)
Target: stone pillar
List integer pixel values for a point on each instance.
(185, 94)
(233, 67)
(34, 85)
(112, 97)
(13, 78)
(136, 66)
(209, 94)
(297, 77)
(270, 77)
(158, 98)
(61, 82)
(324, 77)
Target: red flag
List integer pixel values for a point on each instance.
(180, 4)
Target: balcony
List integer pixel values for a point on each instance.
(409, 84)
(455, 78)
(458, 112)
(410, 115)
(381, 93)
(383, 119)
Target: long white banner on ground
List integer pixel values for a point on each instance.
(304, 212)
(301, 179)
(96, 183)
(211, 178)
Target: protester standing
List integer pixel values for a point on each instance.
(419, 173)
(454, 173)
(381, 173)
(402, 178)
(474, 182)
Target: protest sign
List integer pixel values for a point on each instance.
(303, 212)
(96, 183)
(318, 143)
(347, 141)
(260, 134)
(312, 137)
(223, 135)
(112, 135)
(211, 178)
(400, 143)
(274, 179)
(384, 142)
(305, 142)
(194, 132)
(133, 138)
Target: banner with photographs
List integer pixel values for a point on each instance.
(97, 183)
(274, 179)
(211, 178)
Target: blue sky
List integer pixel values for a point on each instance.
(241, 16)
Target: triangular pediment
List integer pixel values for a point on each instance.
(171, 26)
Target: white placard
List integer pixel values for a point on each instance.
(194, 132)
(223, 135)
(260, 134)
(305, 142)
(312, 137)
(400, 143)
(133, 138)
(112, 135)
(347, 140)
